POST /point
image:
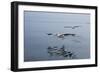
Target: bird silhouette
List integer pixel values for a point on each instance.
(72, 27)
(61, 35)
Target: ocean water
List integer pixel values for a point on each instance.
(41, 30)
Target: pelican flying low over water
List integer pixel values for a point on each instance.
(62, 35)
(73, 27)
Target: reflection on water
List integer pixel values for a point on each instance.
(62, 51)
(55, 51)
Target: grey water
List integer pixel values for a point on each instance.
(37, 26)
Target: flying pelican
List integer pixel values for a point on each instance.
(62, 35)
(73, 27)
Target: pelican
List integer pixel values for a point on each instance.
(73, 27)
(62, 35)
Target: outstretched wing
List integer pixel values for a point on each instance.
(67, 26)
(49, 34)
(75, 27)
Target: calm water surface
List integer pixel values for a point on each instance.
(37, 26)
